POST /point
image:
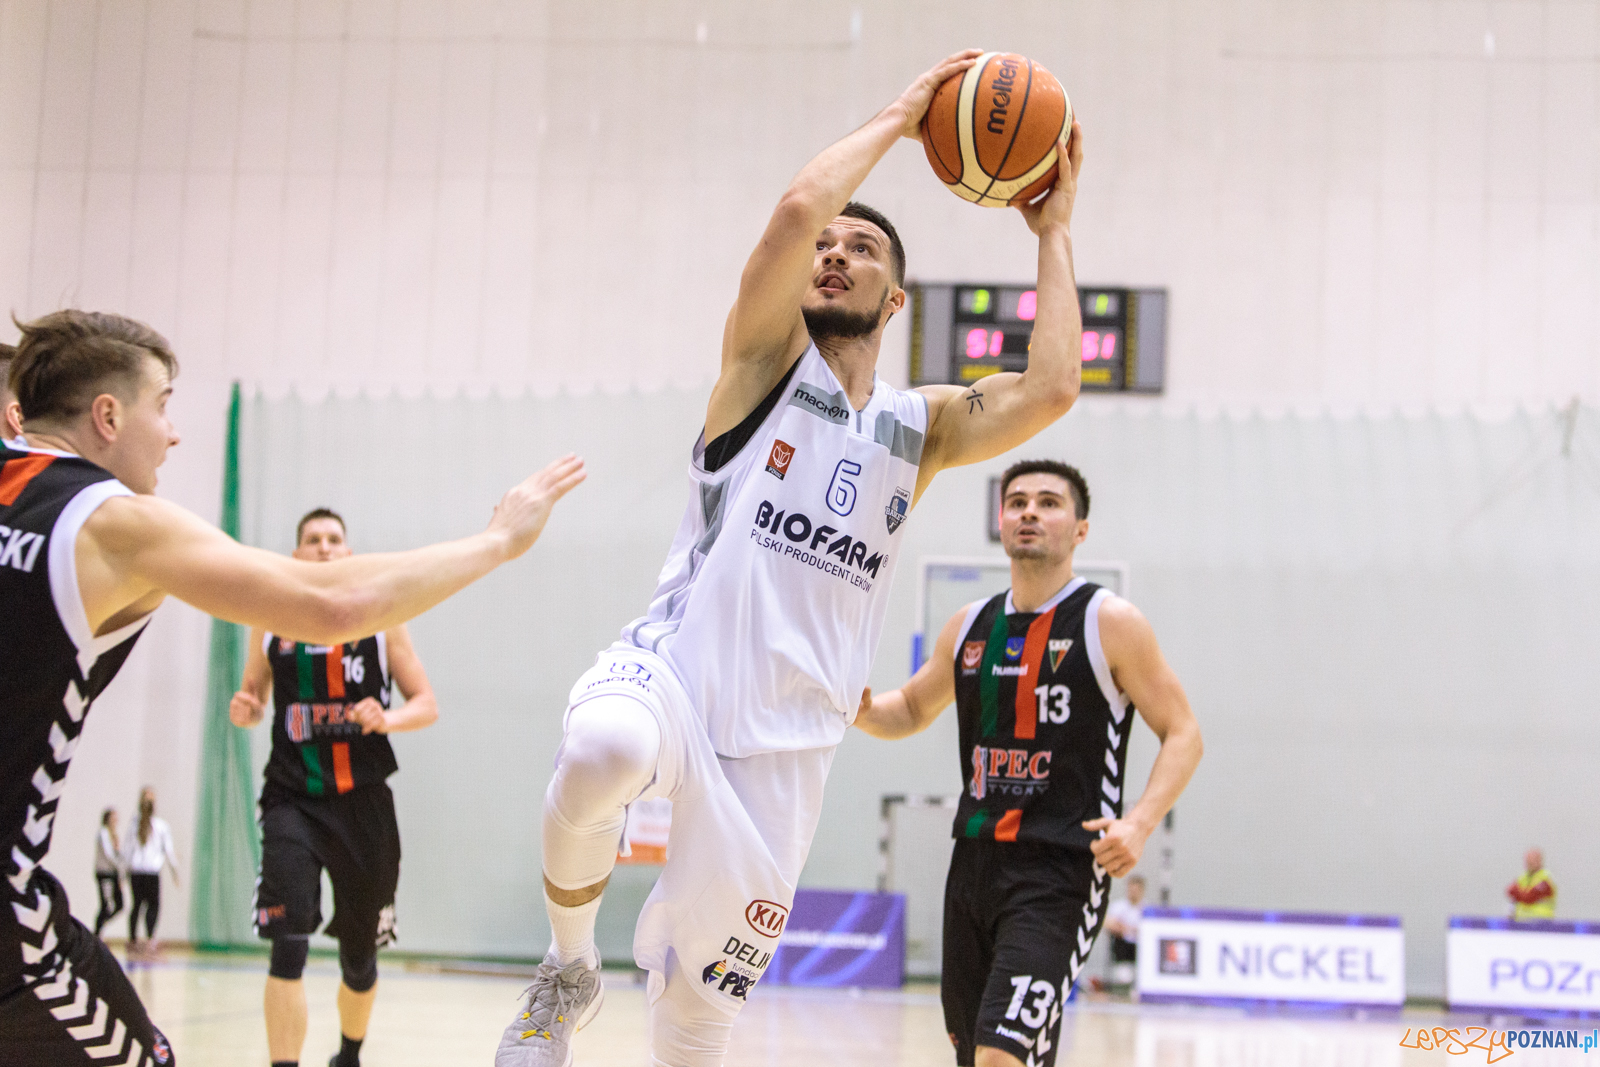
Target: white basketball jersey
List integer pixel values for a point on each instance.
(772, 599)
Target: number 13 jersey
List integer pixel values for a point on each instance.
(1044, 729)
(772, 599)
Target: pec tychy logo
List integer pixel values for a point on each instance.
(1009, 771)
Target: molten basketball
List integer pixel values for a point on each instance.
(991, 130)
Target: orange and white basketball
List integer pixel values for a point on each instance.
(991, 130)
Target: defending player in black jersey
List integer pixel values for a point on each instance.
(1044, 677)
(325, 805)
(86, 554)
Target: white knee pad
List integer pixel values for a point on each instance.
(685, 1029)
(607, 758)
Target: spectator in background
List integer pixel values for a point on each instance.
(10, 413)
(147, 853)
(108, 869)
(1533, 894)
(1122, 923)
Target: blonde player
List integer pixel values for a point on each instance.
(731, 693)
(89, 553)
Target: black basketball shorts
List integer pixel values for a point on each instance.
(356, 839)
(1019, 919)
(63, 997)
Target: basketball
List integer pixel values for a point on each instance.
(991, 130)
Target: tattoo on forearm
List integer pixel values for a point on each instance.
(972, 398)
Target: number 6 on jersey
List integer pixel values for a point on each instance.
(842, 491)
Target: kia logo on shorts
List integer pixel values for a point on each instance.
(766, 918)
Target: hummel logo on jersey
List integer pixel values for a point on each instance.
(895, 513)
(1058, 651)
(778, 459)
(19, 548)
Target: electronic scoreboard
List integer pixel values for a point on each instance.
(963, 332)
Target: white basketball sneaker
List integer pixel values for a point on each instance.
(560, 1002)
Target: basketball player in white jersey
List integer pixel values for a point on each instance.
(731, 693)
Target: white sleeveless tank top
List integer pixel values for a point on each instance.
(772, 599)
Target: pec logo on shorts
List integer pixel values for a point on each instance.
(778, 459)
(766, 918)
(727, 980)
(971, 655)
(1177, 955)
(160, 1049)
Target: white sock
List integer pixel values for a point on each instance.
(572, 931)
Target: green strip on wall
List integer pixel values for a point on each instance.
(227, 844)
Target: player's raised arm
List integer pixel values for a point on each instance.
(998, 413)
(913, 707)
(765, 330)
(134, 548)
(1142, 672)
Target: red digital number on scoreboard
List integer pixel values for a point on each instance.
(1097, 345)
(982, 343)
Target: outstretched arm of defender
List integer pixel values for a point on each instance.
(913, 707)
(1142, 672)
(969, 424)
(135, 548)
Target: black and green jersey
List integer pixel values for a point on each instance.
(317, 750)
(1044, 730)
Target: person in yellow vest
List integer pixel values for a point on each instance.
(1533, 894)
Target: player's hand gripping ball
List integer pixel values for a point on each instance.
(991, 130)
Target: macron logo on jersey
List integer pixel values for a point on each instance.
(19, 548)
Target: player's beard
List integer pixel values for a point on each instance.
(833, 323)
(1038, 552)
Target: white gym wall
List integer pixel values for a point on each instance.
(1359, 208)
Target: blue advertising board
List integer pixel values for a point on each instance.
(842, 938)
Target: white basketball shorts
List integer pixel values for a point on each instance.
(741, 829)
